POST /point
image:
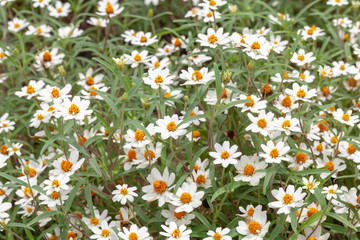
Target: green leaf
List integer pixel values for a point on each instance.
(341, 219)
(89, 199)
(218, 192)
(72, 195)
(42, 216)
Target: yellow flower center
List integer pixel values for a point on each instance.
(124, 191)
(286, 75)
(250, 212)
(319, 147)
(311, 211)
(334, 139)
(310, 186)
(301, 157)
(200, 179)
(109, 8)
(54, 195)
(301, 57)
(286, 102)
(330, 165)
(251, 102)
(209, 14)
(40, 117)
(16, 25)
(249, 170)
(131, 154)
(29, 210)
(90, 81)
(212, 39)
(212, 3)
(171, 126)
(225, 155)
(286, 124)
(313, 238)
(30, 89)
(255, 45)
(47, 56)
(342, 67)
(139, 135)
(27, 192)
(196, 134)
(346, 117)
(301, 93)
(93, 93)
(302, 76)
(262, 123)
(158, 79)
(177, 42)
(157, 64)
(94, 221)
(66, 165)
(59, 10)
(55, 92)
(196, 76)
(143, 39)
(137, 57)
(73, 109)
(159, 186)
(185, 197)
(351, 149)
(254, 227)
(176, 233)
(133, 236)
(38, 30)
(287, 198)
(105, 233)
(217, 236)
(179, 215)
(55, 183)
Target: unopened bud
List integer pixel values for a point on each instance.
(124, 98)
(133, 84)
(150, 13)
(226, 77)
(61, 70)
(16, 51)
(233, 8)
(26, 169)
(147, 105)
(251, 65)
(349, 58)
(186, 98)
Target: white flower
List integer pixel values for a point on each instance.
(254, 103)
(137, 58)
(17, 24)
(345, 118)
(287, 124)
(74, 109)
(123, 194)
(219, 234)
(98, 22)
(256, 47)
(331, 192)
(213, 39)
(301, 93)
(159, 78)
(274, 153)
(187, 198)
(40, 3)
(246, 169)
(5, 124)
(109, 8)
(195, 112)
(174, 232)
(51, 93)
(135, 233)
(313, 234)
(225, 154)
(39, 117)
(138, 138)
(104, 232)
(278, 46)
(69, 32)
(336, 164)
(212, 4)
(159, 186)
(337, 3)
(42, 30)
(59, 10)
(261, 124)
(287, 199)
(168, 127)
(256, 228)
(56, 183)
(143, 39)
(197, 77)
(97, 219)
(67, 166)
(180, 218)
(89, 79)
(301, 58)
(311, 32)
(31, 90)
(310, 184)
(48, 59)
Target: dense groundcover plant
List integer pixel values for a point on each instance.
(179, 119)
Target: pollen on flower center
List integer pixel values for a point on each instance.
(251, 102)
(159, 186)
(212, 39)
(288, 198)
(139, 135)
(59, 10)
(225, 155)
(179, 215)
(196, 76)
(274, 153)
(301, 57)
(158, 79)
(66, 165)
(124, 191)
(351, 149)
(185, 197)
(131, 154)
(286, 124)
(196, 134)
(38, 30)
(342, 67)
(94, 221)
(105, 233)
(302, 76)
(286, 102)
(346, 117)
(209, 14)
(176, 233)
(171, 126)
(40, 117)
(27, 192)
(311, 211)
(301, 157)
(334, 139)
(319, 147)
(262, 123)
(255, 45)
(146, 155)
(143, 39)
(325, 91)
(250, 212)
(47, 56)
(301, 93)
(254, 227)
(249, 170)
(109, 8)
(137, 57)
(352, 82)
(90, 81)
(55, 195)
(55, 183)
(157, 64)
(286, 75)
(73, 109)
(330, 165)
(133, 236)
(82, 140)
(200, 179)
(310, 186)
(177, 42)
(217, 236)
(55, 92)
(72, 235)
(312, 238)
(212, 3)
(30, 89)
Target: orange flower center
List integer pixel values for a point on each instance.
(351, 149)
(177, 42)
(124, 191)
(301, 57)
(255, 45)
(287, 198)
(66, 165)
(286, 124)
(40, 117)
(322, 126)
(286, 102)
(301, 157)
(334, 139)
(196, 134)
(330, 165)
(262, 123)
(30, 89)
(55, 92)
(90, 80)
(73, 109)
(225, 155)
(254, 227)
(133, 236)
(196, 76)
(249, 170)
(94, 221)
(274, 153)
(185, 197)
(105, 233)
(139, 135)
(352, 82)
(109, 8)
(176, 233)
(47, 56)
(171, 126)
(179, 215)
(200, 179)
(346, 117)
(71, 235)
(159, 186)
(212, 39)
(301, 93)
(311, 211)
(250, 212)
(93, 93)
(143, 39)
(159, 79)
(342, 67)
(137, 57)
(131, 154)
(146, 155)
(319, 147)
(217, 236)
(55, 195)
(250, 103)
(32, 172)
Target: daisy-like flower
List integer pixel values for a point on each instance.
(74, 109)
(349, 151)
(195, 112)
(256, 228)
(187, 198)
(208, 15)
(351, 85)
(59, 10)
(48, 59)
(159, 186)
(17, 24)
(331, 192)
(110, 8)
(301, 93)
(199, 60)
(97, 219)
(134, 232)
(51, 93)
(225, 154)
(256, 47)
(246, 169)
(254, 104)
(137, 58)
(67, 166)
(287, 124)
(40, 3)
(175, 232)
(278, 46)
(69, 32)
(212, 4)
(337, 3)
(104, 231)
(148, 155)
(344, 22)
(31, 90)
(341, 68)
(287, 199)
(345, 117)
(213, 39)
(168, 127)
(261, 124)
(153, 2)
(311, 234)
(98, 22)
(89, 79)
(92, 94)
(40, 117)
(197, 77)
(286, 103)
(159, 78)
(42, 30)
(180, 218)
(310, 184)
(219, 234)
(138, 138)
(179, 42)
(306, 77)
(155, 62)
(56, 183)
(336, 164)
(143, 39)
(275, 153)
(201, 178)
(301, 58)
(5, 124)
(312, 32)
(123, 194)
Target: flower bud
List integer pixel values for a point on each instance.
(16, 51)
(124, 97)
(150, 13)
(251, 65)
(226, 78)
(26, 169)
(147, 105)
(186, 98)
(61, 70)
(233, 8)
